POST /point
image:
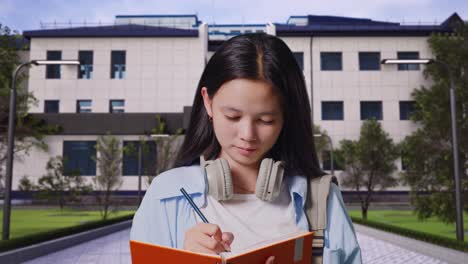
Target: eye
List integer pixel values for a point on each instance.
(267, 122)
(232, 118)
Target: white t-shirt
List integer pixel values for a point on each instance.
(250, 219)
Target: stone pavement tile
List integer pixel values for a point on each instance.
(375, 251)
(125, 258)
(435, 253)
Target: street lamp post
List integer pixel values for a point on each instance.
(11, 139)
(453, 114)
(140, 162)
(332, 167)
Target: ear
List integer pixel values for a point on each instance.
(207, 101)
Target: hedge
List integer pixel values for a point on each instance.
(430, 238)
(28, 240)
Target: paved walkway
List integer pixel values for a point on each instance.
(375, 246)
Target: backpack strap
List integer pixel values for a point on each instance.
(316, 212)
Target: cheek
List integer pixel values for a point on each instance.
(225, 132)
(270, 135)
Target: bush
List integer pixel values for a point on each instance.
(430, 238)
(54, 234)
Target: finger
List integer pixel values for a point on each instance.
(210, 244)
(270, 260)
(227, 237)
(211, 230)
(201, 249)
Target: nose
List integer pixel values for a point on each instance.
(247, 131)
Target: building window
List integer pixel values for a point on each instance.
(53, 71)
(85, 71)
(407, 55)
(235, 31)
(369, 61)
(371, 110)
(118, 64)
(299, 56)
(406, 109)
(116, 106)
(259, 31)
(332, 110)
(248, 31)
(83, 106)
(330, 61)
(131, 154)
(51, 106)
(79, 156)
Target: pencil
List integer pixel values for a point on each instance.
(194, 206)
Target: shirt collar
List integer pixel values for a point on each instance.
(191, 178)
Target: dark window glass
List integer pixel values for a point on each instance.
(406, 109)
(118, 64)
(53, 71)
(85, 71)
(51, 106)
(406, 55)
(83, 106)
(369, 61)
(299, 56)
(130, 158)
(235, 31)
(330, 61)
(371, 110)
(332, 110)
(116, 106)
(79, 157)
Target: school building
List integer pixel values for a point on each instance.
(141, 66)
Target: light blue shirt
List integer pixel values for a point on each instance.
(164, 214)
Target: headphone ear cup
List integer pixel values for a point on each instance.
(219, 179)
(269, 180)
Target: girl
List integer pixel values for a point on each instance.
(251, 105)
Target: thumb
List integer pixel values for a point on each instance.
(270, 260)
(227, 237)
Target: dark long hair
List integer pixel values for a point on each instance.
(259, 57)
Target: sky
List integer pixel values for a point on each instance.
(28, 14)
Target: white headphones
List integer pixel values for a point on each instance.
(218, 174)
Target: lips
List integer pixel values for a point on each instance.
(247, 149)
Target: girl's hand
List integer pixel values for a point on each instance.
(207, 238)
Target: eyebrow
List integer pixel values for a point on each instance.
(232, 109)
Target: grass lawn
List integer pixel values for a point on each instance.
(32, 221)
(406, 219)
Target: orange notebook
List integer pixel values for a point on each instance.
(292, 248)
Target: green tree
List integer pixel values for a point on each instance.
(427, 152)
(369, 163)
(29, 131)
(166, 147)
(55, 185)
(109, 178)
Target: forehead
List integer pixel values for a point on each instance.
(244, 93)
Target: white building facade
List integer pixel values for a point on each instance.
(134, 70)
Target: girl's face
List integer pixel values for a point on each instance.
(247, 119)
